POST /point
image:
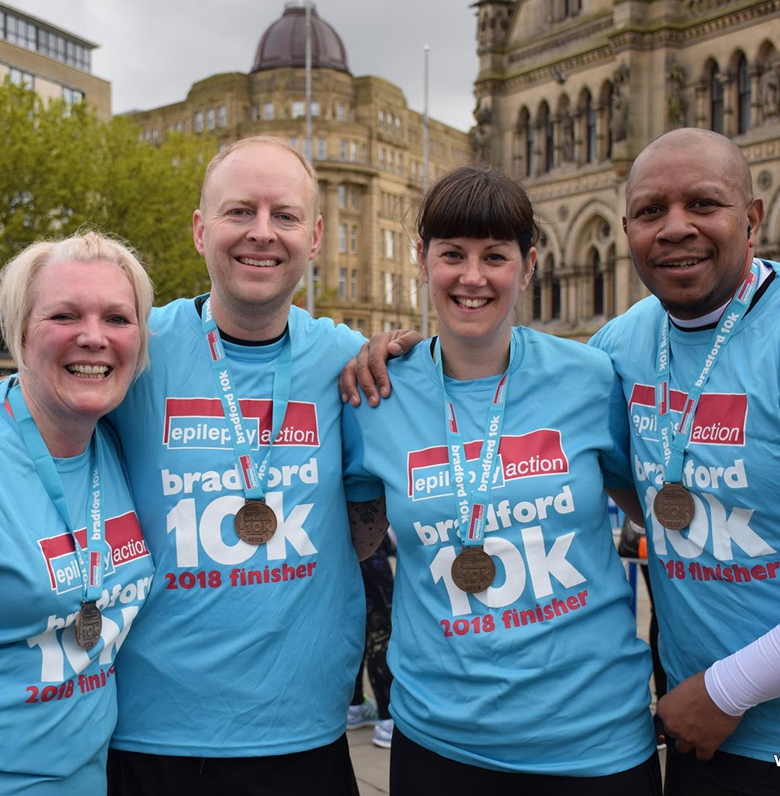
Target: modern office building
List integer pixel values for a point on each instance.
(55, 63)
(569, 92)
(367, 146)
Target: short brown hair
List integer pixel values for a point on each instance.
(477, 202)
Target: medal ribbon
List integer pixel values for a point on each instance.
(471, 503)
(673, 444)
(253, 479)
(92, 574)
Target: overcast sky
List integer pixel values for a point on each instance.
(152, 51)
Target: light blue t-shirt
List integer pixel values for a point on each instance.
(57, 700)
(716, 583)
(542, 672)
(243, 650)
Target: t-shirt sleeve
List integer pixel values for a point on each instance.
(359, 484)
(616, 463)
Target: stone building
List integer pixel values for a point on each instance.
(569, 92)
(367, 147)
(56, 64)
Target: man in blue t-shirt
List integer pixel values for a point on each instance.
(699, 361)
(241, 674)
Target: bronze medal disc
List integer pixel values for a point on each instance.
(255, 522)
(473, 570)
(88, 625)
(673, 506)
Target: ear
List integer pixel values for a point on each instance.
(316, 239)
(528, 268)
(755, 216)
(421, 267)
(197, 231)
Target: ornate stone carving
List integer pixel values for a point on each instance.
(620, 103)
(493, 23)
(769, 91)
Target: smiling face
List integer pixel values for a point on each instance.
(689, 207)
(474, 285)
(81, 347)
(257, 227)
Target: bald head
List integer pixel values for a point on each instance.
(721, 149)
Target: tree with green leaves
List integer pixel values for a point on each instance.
(62, 169)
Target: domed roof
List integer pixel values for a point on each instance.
(284, 43)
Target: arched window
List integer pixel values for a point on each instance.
(549, 145)
(716, 101)
(536, 286)
(598, 283)
(590, 131)
(529, 146)
(744, 96)
(555, 294)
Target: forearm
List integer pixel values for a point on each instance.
(748, 677)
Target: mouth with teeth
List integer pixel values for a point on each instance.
(470, 303)
(89, 371)
(686, 263)
(255, 263)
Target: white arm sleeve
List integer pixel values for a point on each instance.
(748, 677)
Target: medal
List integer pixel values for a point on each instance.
(674, 507)
(88, 625)
(473, 570)
(255, 522)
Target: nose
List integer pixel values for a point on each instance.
(262, 229)
(472, 274)
(92, 334)
(677, 225)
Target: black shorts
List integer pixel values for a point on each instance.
(724, 775)
(416, 771)
(326, 770)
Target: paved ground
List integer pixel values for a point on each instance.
(372, 765)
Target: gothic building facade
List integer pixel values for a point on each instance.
(570, 91)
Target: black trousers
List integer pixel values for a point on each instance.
(326, 771)
(724, 775)
(416, 771)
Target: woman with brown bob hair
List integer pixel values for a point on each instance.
(514, 651)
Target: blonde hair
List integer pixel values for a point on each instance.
(18, 281)
(262, 140)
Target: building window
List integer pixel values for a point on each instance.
(353, 198)
(342, 283)
(342, 196)
(598, 283)
(322, 148)
(388, 287)
(549, 150)
(22, 79)
(210, 119)
(536, 287)
(154, 136)
(339, 112)
(361, 326)
(222, 116)
(590, 122)
(72, 96)
(387, 326)
(268, 111)
(315, 278)
(555, 294)
(529, 147)
(255, 113)
(298, 110)
(353, 285)
(381, 117)
(294, 142)
(343, 149)
(353, 239)
(197, 122)
(716, 101)
(381, 158)
(744, 96)
(363, 153)
(342, 238)
(352, 151)
(389, 244)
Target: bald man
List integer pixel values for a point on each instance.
(699, 362)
